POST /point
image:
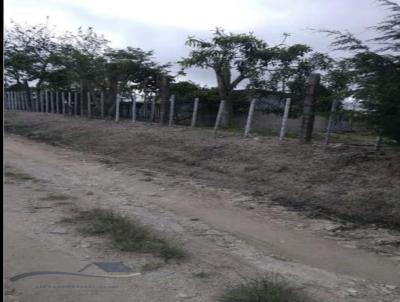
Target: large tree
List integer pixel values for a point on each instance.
(128, 70)
(234, 58)
(376, 71)
(81, 60)
(29, 54)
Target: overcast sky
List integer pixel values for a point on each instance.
(163, 25)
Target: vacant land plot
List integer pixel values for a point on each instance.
(352, 183)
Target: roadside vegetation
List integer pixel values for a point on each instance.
(17, 176)
(57, 196)
(126, 234)
(352, 183)
(263, 290)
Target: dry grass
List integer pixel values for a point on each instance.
(126, 234)
(18, 176)
(263, 290)
(57, 197)
(346, 182)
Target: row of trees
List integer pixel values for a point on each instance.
(34, 55)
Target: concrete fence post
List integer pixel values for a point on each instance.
(21, 101)
(102, 105)
(47, 101)
(6, 100)
(37, 101)
(17, 95)
(11, 101)
(52, 101)
(194, 115)
(76, 103)
(69, 103)
(330, 122)
(63, 101)
(378, 142)
(285, 119)
(134, 108)
(249, 118)
(7, 104)
(41, 101)
(171, 110)
(81, 106)
(16, 101)
(57, 102)
(117, 108)
(13, 106)
(26, 99)
(89, 105)
(153, 109)
(219, 116)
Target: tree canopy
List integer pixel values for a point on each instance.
(375, 71)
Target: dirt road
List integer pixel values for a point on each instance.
(225, 241)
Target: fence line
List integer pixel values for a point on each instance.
(48, 101)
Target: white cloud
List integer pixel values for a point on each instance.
(163, 25)
(189, 14)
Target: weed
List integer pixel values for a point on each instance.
(127, 234)
(56, 196)
(202, 275)
(19, 176)
(262, 290)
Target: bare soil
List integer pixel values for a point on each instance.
(347, 184)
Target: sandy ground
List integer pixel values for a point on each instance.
(227, 243)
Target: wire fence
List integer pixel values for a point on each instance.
(263, 116)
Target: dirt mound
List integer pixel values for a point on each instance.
(346, 182)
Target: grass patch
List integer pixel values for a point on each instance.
(56, 196)
(263, 290)
(127, 234)
(202, 275)
(19, 176)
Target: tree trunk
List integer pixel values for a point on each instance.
(163, 100)
(307, 124)
(224, 88)
(111, 99)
